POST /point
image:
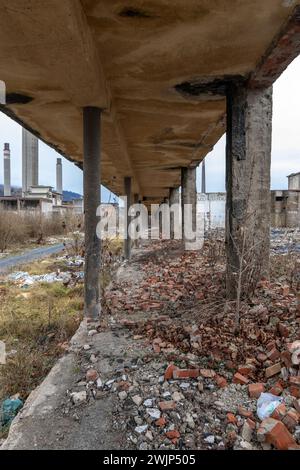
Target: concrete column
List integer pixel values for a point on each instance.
(174, 199)
(203, 177)
(188, 196)
(248, 162)
(30, 160)
(127, 239)
(92, 182)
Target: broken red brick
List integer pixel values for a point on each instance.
(280, 437)
(291, 420)
(261, 357)
(277, 389)
(273, 370)
(161, 422)
(246, 370)
(286, 358)
(255, 390)
(186, 373)
(208, 373)
(167, 405)
(221, 381)
(273, 355)
(169, 371)
(251, 424)
(172, 435)
(295, 391)
(295, 381)
(285, 290)
(279, 412)
(296, 405)
(240, 379)
(283, 330)
(156, 348)
(231, 418)
(245, 413)
(275, 432)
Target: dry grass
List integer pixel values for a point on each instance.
(35, 324)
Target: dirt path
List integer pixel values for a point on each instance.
(32, 255)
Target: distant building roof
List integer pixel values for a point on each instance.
(293, 174)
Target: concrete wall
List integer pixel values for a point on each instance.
(294, 181)
(285, 209)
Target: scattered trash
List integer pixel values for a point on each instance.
(9, 410)
(24, 279)
(266, 405)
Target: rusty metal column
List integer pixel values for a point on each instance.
(127, 239)
(92, 182)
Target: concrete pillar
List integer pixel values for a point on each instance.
(7, 177)
(92, 182)
(203, 177)
(188, 197)
(248, 162)
(173, 199)
(127, 239)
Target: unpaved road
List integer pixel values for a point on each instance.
(28, 257)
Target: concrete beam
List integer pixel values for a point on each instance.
(92, 182)
(128, 194)
(248, 162)
(283, 50)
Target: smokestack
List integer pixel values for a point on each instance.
(59, 176)
(30, 161)
(7, 182)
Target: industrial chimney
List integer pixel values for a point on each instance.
(30, 161)
(7, 182)
(59, 177)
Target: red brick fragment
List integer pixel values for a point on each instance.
(221, 381)
(295, 381)
(251, 424)
(186, 373)
(277, 389)
(246, 370)
(279, 412)
(240, 379)
(231, 418)
(245, 413)
(295, 391)
(172, 435)
(275, 432)
(283, 330)
(273, 370)
(161, 422)
(208, 373)
(273, 355)
(167, 405)
(255, 390)
(169, 371)
(291, 420)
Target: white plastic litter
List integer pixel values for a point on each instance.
(24, 279)
(267, 404)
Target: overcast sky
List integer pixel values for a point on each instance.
(285, 153)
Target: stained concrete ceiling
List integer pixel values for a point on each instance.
(157, 67)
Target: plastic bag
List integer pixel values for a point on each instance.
(9, 410)
(267, 404)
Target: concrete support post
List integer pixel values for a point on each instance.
(248, 162)
(188, 200)
(174, 199)
(92, 182)
(127, 239)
